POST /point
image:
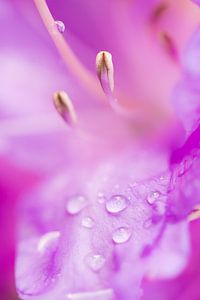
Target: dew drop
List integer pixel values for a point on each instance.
(75, 204)
(101, 198)
(48, 240)
(153, 196)
(88, 222)
(121, 235)
(60, 26)
(95, 261)
(116, 204)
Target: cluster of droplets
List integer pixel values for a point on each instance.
(114, 205)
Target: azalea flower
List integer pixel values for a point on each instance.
(109, 216)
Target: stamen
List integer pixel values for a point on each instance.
(85, 77)
(64, 107)
(105, 71)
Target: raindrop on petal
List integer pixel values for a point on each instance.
(88, 222)
(95, 261)
(116, 204)
(153, 196)
(75, 204)
(101, 198)
(121, 235)
(60, 26)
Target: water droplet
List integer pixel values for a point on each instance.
(95, 261)
(116, 204)
(153, 196)
(88, 222)
(121, 235)
(48, 240)
(60, 26)
(75, 204)
(101, 198)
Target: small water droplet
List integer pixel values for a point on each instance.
(101, 198)
(95, 261)
(88, 222)
(116, 204)
(121, 235)
(75, 204)
(153, 196)
(48, 240)
(60, 26)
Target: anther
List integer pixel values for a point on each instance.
(64, 107)
(105, 71)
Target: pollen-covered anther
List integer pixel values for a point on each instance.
(105, 71)
(64, 107)
(195, 214)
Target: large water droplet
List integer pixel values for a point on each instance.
(116, 204)
(153, 196)
(121, 235)
(48, 240)
(88, 222)
(60, 26)
(75, 204)
(95, 261)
